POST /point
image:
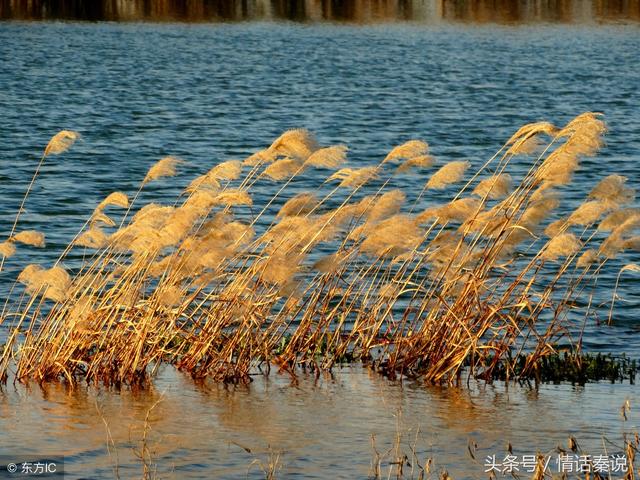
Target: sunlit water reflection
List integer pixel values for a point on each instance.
(319, 429)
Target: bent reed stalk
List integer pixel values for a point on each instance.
(332, 275)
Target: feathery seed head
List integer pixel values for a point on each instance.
(283, 168)
(258, 158)
(229, 170)
(30, 237)
(92, 238)
(100, 217)
(355, 177)
(450, 173)
(617, 218)
(117, 199)
(386, 205)
(329, 157)
(7, 249)
(52, 283)
(587, 259)
(496, 187)
(563, 245)
(298, 144)
(421, 161)
(203, 182)
(301, 204)
(165, 167)
(589, 212)
(61, 142)
(410, 149)
(613, 189)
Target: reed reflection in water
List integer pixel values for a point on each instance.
(320, 428)
(357, 11)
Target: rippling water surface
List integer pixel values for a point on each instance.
(211, 92)
(317, 429)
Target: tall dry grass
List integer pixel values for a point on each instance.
(222, 285)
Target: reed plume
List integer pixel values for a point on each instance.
(279, 269)
(557, 227)
(527, 145)
(283, 168)
(258, 158)
(30, 237)
(58, 144)
(329, 264)
(355, 178)
(562, 245)
(7, 249)
(297, 144)
(459, 210)
(165, 167)
(632, 243)
(558, 168)
(301, 204)
(61, 142)
(392, 237)
(532, 129)
(234, 197)
(92, 238)
(52, 283)
(450, 173)
(589, 212)
(328, 157)
(203, 182)
(100, 217)
(494, 188)
(421, 161)
(116, 199)
(538, 211)
(408, 150)
(612, 189)
(614, 243)
(229, 170)
(386, 205)
(616, 218)
(588, 258)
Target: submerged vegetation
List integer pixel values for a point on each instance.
(571, 367)
(222, 283)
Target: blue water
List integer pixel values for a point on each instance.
(208, 93)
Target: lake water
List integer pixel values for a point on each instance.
(319, 429)
(208, 92)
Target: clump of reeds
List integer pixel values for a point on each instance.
(221, 283)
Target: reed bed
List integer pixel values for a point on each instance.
(224, 283)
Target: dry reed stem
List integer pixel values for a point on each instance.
(201, 286)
